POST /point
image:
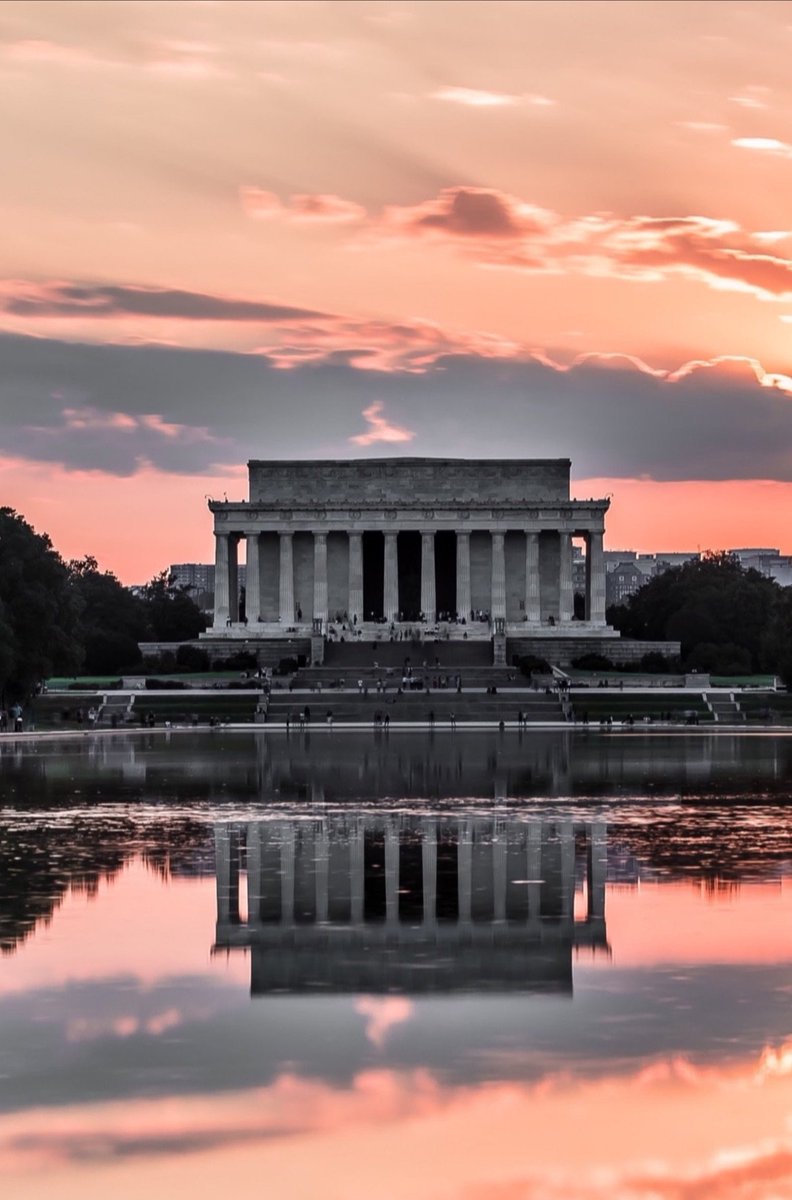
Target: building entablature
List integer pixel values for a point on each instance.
(584, 516)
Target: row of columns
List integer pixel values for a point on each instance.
(337, 883)
(226, 577)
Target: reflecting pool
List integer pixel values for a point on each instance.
(439, 966)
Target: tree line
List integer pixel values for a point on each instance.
(729, 620)
(69, 618)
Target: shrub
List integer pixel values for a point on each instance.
(531, 664)
(593, 662)
(286, 666)
(192, 658)
(654, 661)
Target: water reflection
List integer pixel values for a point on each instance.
(321, 767)
(411, 903)
(409, 914)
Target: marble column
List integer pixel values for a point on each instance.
(534, 870)
(566, 833)
(255, 872)
(391, 873)
(391, 582)
(566, 599)
(533, 603)
(464, 870)
(221, 605)
(357, 880)
(287, 873)
(253, 580)
(322, 851)
(286, 580)
(595, 580)
(498, 607)
(597, 868)
(227, 874)
(355, 607)
(320, 577)
(463, 602)
(499, 865)
(428, 600)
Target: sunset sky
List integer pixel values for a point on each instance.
(235, 230)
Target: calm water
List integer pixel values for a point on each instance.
(553, 966)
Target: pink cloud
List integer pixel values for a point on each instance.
(466, 212)
(302, 207)
(382, 1014)
(380, 429)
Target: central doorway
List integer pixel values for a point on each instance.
(373, 575)
(445, 574)
(408, 546)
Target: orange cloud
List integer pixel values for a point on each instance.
(499, 229)
(466, 212)
(380, 430)
(320, 209)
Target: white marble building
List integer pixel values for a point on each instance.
(473, 544)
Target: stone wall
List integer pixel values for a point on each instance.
(561, 651)
(407, 481)
(268, 653)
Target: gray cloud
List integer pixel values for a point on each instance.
(610, 418)
(86, 300)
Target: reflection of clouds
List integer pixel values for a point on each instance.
(383, 1014)
(679, 1131)
(90, 1029)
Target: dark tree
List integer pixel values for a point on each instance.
(717, 609)
(112, 619)
(171, 613)
(777, 642)
(39, 634)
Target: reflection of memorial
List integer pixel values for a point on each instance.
(381, 903)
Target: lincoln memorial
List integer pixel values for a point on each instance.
(453, 547)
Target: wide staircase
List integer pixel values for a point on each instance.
(423, 687)
(455, 656)
(725, 709)
(115, 709)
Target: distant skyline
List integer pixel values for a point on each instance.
(261, 230)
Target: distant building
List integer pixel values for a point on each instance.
(768, 561)
(623, 579)
(626, 570)
(199, 579)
